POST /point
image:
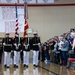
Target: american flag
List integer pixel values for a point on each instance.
(26, 26)
(16, 26)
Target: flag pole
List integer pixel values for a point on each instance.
(25, 18)
(16, 25)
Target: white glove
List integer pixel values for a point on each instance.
(19, 44)
(38, 44)
(11, 51)
(21, 50)
(4, 44)
(14, 44)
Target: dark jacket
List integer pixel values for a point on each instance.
(8, 44)
(25, 47)
(26, 44)
(18, 40)
(16, 47)
(35, 41)
(1, 48)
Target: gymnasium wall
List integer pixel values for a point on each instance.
(64, 1)
(50, 20)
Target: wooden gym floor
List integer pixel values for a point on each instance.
(43, 69)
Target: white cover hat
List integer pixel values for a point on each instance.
(7, 33)
(17, 35)
(35, 33)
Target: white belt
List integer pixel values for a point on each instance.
(8, 45)
(35, 44)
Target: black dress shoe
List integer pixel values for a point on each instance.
(34, 65)
(5, 66)
(0, 62)
(24, 65)
(67, 67)
(60, 63)
(14, 65)
(27, 66)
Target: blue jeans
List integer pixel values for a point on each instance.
(47, 55)
(64, 56)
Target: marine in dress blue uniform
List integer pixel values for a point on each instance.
(7, 47)
(26, 50)
(35, 46)
(17, 50)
